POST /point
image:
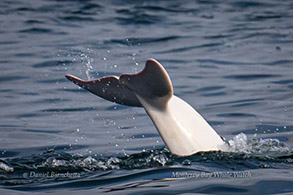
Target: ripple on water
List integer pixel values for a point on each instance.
(36, 31)
(142, 40)
(249, 77)
(4, 79)
(190, 48)
(52, 63)
(139, 19)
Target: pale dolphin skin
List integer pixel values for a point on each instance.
(184, 130)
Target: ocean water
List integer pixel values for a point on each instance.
(232, 61)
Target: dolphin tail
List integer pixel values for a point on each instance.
(184, 130)
(152, 83)
(108, 88)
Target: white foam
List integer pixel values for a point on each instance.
(240, 143)
(6, 167)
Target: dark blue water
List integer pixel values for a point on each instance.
(231, 60)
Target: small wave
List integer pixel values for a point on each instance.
(77, 18)
(223, 62)
(249, 77)
(79, 109)
(279, 62)
(238, 102)
(134, 41)
(247, 4)
(5, 167)
(288, 81)
(190, 48)
(236, 115)
(36, 30)
(174, 9)
(52, 63)
(11, 78)
(139, 18)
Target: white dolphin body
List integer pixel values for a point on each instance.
(184, 130)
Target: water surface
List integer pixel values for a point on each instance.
(231, 60)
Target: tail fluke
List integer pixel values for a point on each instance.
(152, 83)
(108, 88)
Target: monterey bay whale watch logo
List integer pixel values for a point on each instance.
(216, 174)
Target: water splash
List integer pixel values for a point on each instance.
(88, 63)
(6, 168)
(240, 146)
(52, 165)
(244, 154)
(272, 147)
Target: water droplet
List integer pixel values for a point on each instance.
(186, 162)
